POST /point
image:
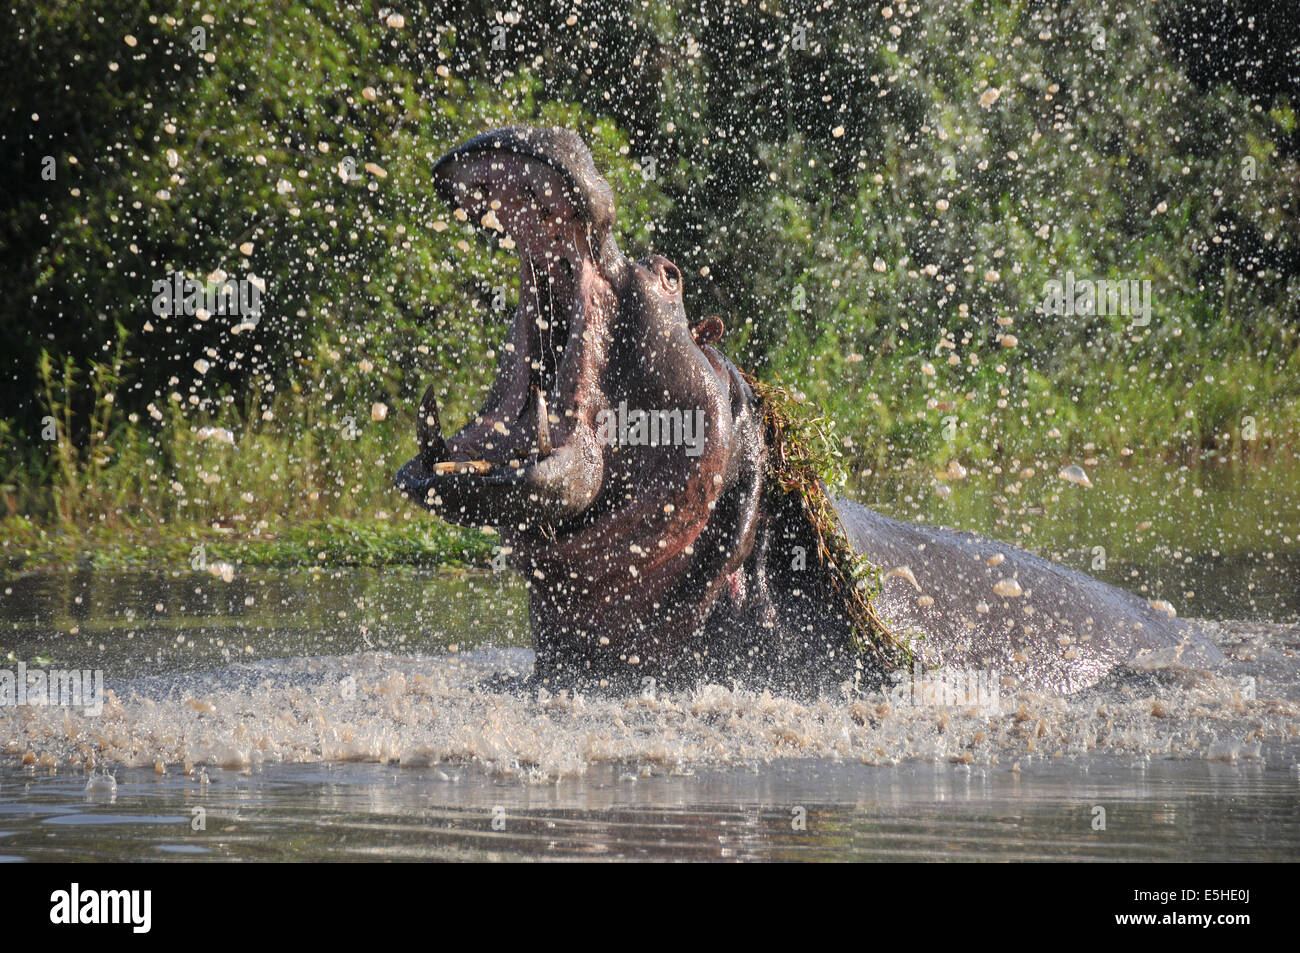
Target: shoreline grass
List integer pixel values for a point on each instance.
(421, 542)
(1133, 491)
(282, 479)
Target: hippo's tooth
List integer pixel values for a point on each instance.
(428, 431)
(543, 425)
(462, 466)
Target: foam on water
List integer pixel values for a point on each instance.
(434, 710)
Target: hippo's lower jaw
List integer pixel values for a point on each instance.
(544, 491)
(678, 563)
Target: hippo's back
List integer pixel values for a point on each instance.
(981, 604)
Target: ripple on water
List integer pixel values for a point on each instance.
(431, 711)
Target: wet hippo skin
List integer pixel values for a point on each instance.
(654, 552)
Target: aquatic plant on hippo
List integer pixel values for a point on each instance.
(644, 561)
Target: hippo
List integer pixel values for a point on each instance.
(627, 465)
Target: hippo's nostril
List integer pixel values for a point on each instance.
(670, 277)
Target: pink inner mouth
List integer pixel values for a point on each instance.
(546, 388)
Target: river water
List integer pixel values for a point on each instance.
(347, 715)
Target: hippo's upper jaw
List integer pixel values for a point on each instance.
(531, 451)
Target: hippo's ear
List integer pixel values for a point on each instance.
(534, 185)
(709, 331)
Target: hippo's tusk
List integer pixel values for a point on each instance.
(428, 431)
(462, 466)
(543, 425)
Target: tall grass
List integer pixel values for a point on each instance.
(300, 474)
(303, 474)
(1180, 393)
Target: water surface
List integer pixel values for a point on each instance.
(1154, 812)
(350, 715)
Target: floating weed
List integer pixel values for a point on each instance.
(804, 460)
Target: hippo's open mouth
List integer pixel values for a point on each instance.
(530, 455)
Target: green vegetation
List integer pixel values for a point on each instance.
(873, 203)
(412, 541)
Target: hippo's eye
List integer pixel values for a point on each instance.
(670, 277)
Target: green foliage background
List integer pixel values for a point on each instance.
(861, 193)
